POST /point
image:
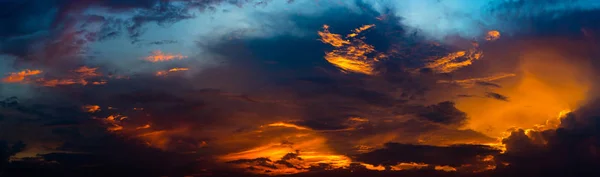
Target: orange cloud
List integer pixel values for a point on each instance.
(159, 56)
(80, 76)
(288, 125)
(460, 59)
(86, 72)
(492, 35)
(359, 30)
(332, 38)
(57, 82)
(467, 83)
(91, 108)
(20, 76)
(454, 61)
(350, 55)
(114, 122)
(165, 72)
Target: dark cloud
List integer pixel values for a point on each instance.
(162, 42)
(455, 155)
(488, 84)
(108, 156)
(544, 153)
(496, 96)
(7, 150)
(569, 18)
(57, 29)
(444, 112)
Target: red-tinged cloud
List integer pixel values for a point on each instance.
(20, 76)
(158, 56)
(81, 76)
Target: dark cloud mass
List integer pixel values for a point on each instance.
(455, 155)
(299, 88)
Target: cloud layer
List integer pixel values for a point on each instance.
(301, 88)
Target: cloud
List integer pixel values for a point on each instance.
(576, 136)
(63, 30)
(444, 113)
(454, 156)
(274, 104)
(496, 96)
(162, 42)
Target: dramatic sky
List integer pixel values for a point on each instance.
(301, 88)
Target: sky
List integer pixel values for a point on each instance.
(299, 88)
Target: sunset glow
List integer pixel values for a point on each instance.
(300, 88)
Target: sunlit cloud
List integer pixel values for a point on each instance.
(454, 61)
(159, 56)
(492, 35)
(288, 125)
(79, 76)
(468, 83)
(91, 108)
(271, 106)
(166, 72)
(20, 76)
(351, 54)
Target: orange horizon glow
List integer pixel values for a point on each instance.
(546, 88)
(310, 146)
